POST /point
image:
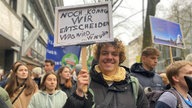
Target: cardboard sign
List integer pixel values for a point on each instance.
(83, 24)
(166, 33)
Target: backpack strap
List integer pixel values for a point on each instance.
(179, 103)
(92, 93)
(135, 84)
(18, 94)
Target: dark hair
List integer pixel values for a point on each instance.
(12, 85)
(50, 61)
(42, 86)
(118, 46)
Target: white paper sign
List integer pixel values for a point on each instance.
(84, 24)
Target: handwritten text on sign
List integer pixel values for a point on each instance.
(81, 25)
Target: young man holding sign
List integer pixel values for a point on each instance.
(111, 86)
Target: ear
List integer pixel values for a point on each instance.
(143, 58)
(175, 78)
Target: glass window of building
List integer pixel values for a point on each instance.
(13, 4)
(26, 32)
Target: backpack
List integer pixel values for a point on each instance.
(154, 96)
(135, 84)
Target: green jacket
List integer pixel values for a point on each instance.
(5, 97)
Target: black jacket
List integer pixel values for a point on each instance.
(122, 94)
(147, 78)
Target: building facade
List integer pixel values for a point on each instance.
(24, 29)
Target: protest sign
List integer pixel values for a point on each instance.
(166, 32)
(83, 24)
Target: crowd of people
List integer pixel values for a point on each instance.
(109, 84)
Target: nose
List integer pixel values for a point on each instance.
(109, 55)
(52, 82)
(156, 60)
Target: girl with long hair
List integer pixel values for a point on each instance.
(65, 80)
(49, 96)
(20, 86)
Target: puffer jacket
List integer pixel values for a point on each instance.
(147, 78)
(122, 94)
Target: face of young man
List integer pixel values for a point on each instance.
(149, 62)
(48, 67)
(51, 82)
(108, 60)
(184, 71)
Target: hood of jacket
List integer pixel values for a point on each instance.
(45, 93)
(137, 68)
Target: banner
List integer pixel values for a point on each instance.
(68, 55)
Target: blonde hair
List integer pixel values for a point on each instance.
(173, 69)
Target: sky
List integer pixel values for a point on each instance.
(132, 10)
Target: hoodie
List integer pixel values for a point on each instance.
(42, 99)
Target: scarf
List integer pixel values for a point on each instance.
(118, 76)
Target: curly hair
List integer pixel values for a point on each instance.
(118, 46)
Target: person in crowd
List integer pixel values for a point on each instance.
(165, 80)
(36, 75)
(49, 96)
(1, 74)
(65, 80)
(20, 86)
(145, 71)
(74, 75)
(175, 73)
(49, 66)
(111, 85)
(5, 101)
(4, 82)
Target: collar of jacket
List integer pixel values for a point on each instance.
(138, 69)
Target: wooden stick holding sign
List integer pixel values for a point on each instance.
(170, 53)
(83, 25)
(84, 63)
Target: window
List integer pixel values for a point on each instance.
(13, 4)
(26, 32)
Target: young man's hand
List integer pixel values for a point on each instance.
(82, 82)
